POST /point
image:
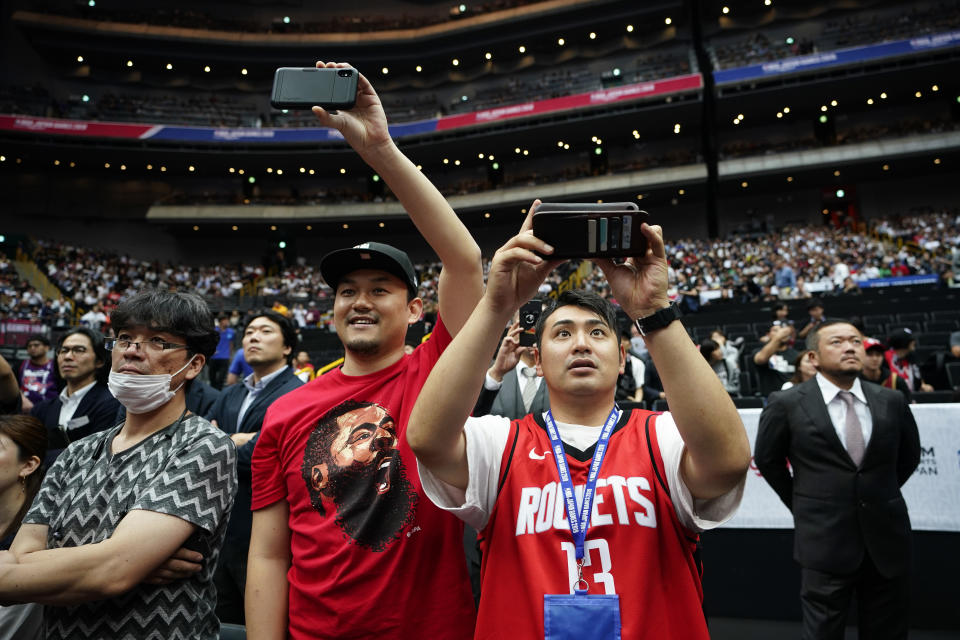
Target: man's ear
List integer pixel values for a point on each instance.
(195, 366)
(623, 359)
(815, 360)
(415, 309)
(537, 363)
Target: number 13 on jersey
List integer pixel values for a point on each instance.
(591, 549)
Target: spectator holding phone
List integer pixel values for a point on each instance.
(344, 543)
(504, 476)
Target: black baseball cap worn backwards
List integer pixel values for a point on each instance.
(370, 255)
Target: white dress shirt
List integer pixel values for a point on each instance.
(69, 403)
(492, 385)
(838, 409)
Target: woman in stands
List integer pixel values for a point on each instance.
(23, 444)
(803, 371)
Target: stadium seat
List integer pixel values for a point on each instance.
(232, 632)
(753, 402)
(877, 318)
(946, 315)
(941, 325)
(953, 374)
(938, 339)
(660, 404)
(875, 330)
(909, 318)
(928, 397)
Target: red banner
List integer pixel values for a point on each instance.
(35, 124)
(579, 101)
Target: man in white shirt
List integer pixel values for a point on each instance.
(94, 318)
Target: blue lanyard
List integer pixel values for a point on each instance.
(579, 523)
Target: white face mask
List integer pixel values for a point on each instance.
(143, 393)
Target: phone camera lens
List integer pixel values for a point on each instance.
(344, 73)
(529, 318)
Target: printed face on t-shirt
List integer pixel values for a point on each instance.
(352, 463)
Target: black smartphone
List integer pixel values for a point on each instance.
(591, 230)
(529, 315)
(303, 87)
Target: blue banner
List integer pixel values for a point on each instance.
(268, 135)
(900, 281)
(838, 57)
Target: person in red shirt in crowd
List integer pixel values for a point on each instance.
(344, 543)
(899, 358)
(659, 478)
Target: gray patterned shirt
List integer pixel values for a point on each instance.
(187, 470)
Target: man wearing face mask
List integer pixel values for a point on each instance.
(118, 504)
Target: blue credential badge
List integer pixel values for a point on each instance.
(581, 616)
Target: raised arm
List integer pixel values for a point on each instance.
(9, 389)
(435, 429)
(780, 336)
(717, 453)
(365, 128)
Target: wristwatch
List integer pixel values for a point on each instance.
(658, 320)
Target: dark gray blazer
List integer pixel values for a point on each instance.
(508, 400)
(841, 511)
(225, 411)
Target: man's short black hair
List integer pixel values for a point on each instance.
(99, 351)
(38, 337)
(287, 329)
(813, 338)
(177, 312)
(579, 298)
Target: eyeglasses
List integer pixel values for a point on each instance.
(65, 351)
(154, 346)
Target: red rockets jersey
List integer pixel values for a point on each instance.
(635, 545)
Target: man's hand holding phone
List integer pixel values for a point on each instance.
(640, 283)
(364, 127)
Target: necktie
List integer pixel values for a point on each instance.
(529, 386)
(852, 432)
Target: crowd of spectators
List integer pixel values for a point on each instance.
(352, 23)
(242, 109)
(855, 28)
(789, 263)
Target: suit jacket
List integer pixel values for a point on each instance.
(508, 399)
(225, 411)
(200, 397)
(97, 411)
(841, 511)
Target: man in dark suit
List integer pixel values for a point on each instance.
(268, 340)
(512, 388)
(85, 405)
(851, 446)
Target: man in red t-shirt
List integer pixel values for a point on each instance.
(660, 479)
(344, 543)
